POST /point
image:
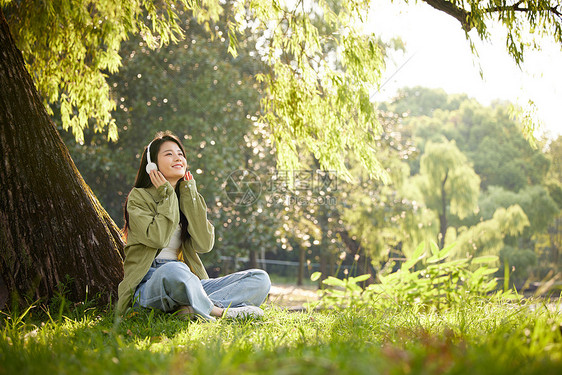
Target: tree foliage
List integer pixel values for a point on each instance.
(70, 46)
(211, 101)
(488, 236)
(488, 136)
(535, 201)
(322, 66)
(322, 70)
(445, 169)
(70, 63)
(517, 215)
(519, 19)
(448, 183)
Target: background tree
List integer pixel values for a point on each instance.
(448, 184)
(375, 214)
(554, 186)
(512, 174)
(489, 137)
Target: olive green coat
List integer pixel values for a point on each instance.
(154, 213)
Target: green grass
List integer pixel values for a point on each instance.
(482, 337)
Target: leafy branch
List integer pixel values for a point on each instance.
(465, 17)
(534, 17)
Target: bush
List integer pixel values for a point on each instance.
(438, 282)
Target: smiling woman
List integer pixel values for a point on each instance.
(166, 227)
(171, 164)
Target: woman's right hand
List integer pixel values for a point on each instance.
(157, 178)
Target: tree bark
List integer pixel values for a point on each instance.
(323, 268)
(364, 261)
(302, 260)
(453, 10)
(253, 259)
(52, 227)
(554, 234)
(443, 214)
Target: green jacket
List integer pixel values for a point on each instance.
(153, 216)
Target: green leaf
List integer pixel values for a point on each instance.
(485, 259)
(315, 276)
(332, 281)
(360, 278)
(482, 271)
(434, 248)
(416, 256)
(433, 259)
(447, 249)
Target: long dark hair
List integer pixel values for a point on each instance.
(143, 179)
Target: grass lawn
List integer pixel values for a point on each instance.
(481, 337)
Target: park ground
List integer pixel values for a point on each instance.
(478, 336)
(292, 296)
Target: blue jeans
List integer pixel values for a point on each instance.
(170, 284)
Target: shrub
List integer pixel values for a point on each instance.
(437, 282)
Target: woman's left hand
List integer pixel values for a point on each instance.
(188, 176)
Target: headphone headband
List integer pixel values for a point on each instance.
(148, 153)
(150, 166)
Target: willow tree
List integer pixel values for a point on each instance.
(538, 18)
(488, 236)
(311, 103)
(448, 183)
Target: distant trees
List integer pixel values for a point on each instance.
(554, 185)
(516, 210)
(321, 66)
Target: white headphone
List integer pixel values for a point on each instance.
(150, 166)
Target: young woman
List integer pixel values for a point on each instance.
(166, 227)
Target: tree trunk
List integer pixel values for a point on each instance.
(323, 268)
(52, 227)
(443, 213)
(366, 267)
(253, 259)
(452, 9)
(363, 261)
(302, 260)
(554, 234)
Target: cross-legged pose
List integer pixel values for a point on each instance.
(166, 227)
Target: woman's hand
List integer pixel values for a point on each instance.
(188, 176)
(157, 178)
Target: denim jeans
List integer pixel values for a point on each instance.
(170, 284)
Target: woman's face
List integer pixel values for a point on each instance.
(171, 162)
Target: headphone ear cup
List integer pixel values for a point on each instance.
(151, 167)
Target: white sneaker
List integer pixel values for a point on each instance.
(243, 312)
